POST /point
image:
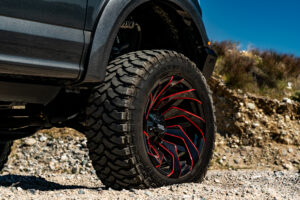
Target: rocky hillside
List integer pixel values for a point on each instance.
(255, 132)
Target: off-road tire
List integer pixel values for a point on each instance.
(5, 149)
(114, 119)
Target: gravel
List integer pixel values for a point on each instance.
(43, 154)
(57, 167)
(217, 185)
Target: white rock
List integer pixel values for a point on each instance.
(43, 138)
(254, 125)
(148, 193)
(52, 165)
(30, 141)
(217, 181)
(251, 106)
(238, 115)
(64, 157)
(288, 166)
(289, 86)
(287, 100)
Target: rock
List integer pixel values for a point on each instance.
(134, 191)
(290, 150)
(74, 170)
(287, 141)
(81, 192)
(52, 165)
(217, 181)
(279, 174)
(259, 138)
(236, 161)
(43, 138)
(289, 86)
(288, 166)
(30, 141)
(84, 162)
(251, 106)
(64, 157)
(148, 193)
(238, 115)
(287, 100)
(283, 133)
(284, 152)
(255, 125)
(32, 191)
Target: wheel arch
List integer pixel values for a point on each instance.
(116, 12)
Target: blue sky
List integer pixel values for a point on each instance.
(265, 24)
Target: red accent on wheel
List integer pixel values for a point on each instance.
(178, 126)
(178, 93)
(192, 162)
(187, 112)
(186, 98)
(189, 121)
(153, 102)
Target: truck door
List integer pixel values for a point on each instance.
(41, 38)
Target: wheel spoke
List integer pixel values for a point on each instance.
(191, 121)
(171, 149)
(185, 111)
(169, 97)
(154, 153)
(159, 94)
(178, 132)
(187, 98)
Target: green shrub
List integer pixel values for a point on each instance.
(263, 72)
(296, 96)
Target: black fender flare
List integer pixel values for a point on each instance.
(111, 19)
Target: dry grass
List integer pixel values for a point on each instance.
(265, 73)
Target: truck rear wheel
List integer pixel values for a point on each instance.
(151, 123)
(4, 153)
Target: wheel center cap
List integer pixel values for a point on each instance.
(159, 129)
(158, 124)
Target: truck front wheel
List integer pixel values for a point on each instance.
(151, 123)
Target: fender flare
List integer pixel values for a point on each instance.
(111, 19)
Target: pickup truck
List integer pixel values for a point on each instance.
(129, 74)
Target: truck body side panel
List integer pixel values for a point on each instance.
(41, 38)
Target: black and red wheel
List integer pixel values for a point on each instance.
(174, 127)
(151, 123)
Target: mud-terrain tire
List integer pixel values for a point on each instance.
(116, 116)
(5, 149)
